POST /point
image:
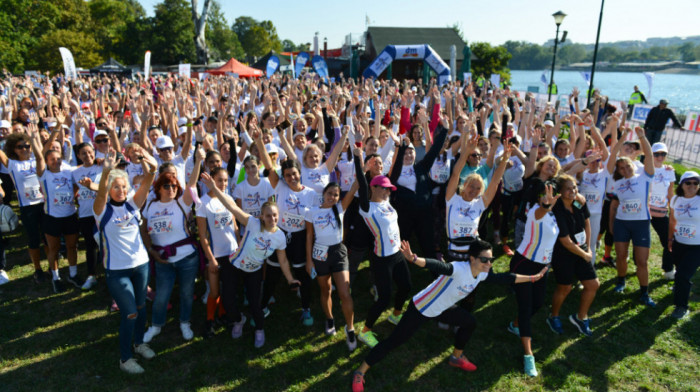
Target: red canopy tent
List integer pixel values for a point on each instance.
(236, 67)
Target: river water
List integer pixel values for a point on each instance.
(681, 91)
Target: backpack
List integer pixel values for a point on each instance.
(8, 219)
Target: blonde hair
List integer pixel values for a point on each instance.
(115, 174)
(307, 149)
(541, 162)
(474, 177)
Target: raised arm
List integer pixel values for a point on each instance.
(468, 145)
(225, 200)
(36, 148)
(338, 148)
(363, 190)
(187, 197)
(497, 175)
(616, 150)
(646, 148)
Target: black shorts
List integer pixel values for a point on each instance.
(337, 261)
(568, 268)
(56, 227)
(296, 250)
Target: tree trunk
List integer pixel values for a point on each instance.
(200, 24)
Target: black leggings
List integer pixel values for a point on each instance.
(413, 319)
(87, 226)
(530, 296)
(508, 204)
(384, 270)
(660, 226)
(687, 260)
(604, 223)
(417, 219)
(273, 275)
(230, 277)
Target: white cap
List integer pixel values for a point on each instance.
(51, 124)
(659, 147)
(164, 142)
(271, 149)
(5, 124)
(298, 134)
(182, 130)
(182, 121)
(549, 122)
(519, 139)
(688, 175)
(99, 132)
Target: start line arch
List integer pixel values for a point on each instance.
(408, 52)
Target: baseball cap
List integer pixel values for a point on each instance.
(688, 175)
(659, 147)
(549, 122)
(5, 124)
(181, 122)
(382, 181)
(271, 149)
(85, 105)
(99, 132)
(663, 102)
(164, 142)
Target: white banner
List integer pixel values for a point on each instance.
(496, 80)
(467, 77)
(409, 52)
(683, 146)
(184, 70)
(68, 63)
(380, 63)
(650, 82)
(147, 65)
(692, 121)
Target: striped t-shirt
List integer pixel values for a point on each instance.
(446, 290)
(540, 237)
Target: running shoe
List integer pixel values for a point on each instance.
(670, 275)
(39, 276)
(186, 330)
(529, 365)
(209, 330)
(306, 317)
(237, 329)
(583, 326)
(3, 277)
(350, 339)
(679, 312)
(57, 285)
(358, 382)
(462, 363)
(114, 307)
(151, 333)
(131, 366)
(368, 338)
(76, 281)
(646, 300)
(266, 312)
(496, 238)
(259, 338)
(330, 327)
(554, 323)
(619, 288)
(513, 329)
(395, 319)
(144, 351)
(90, 282)
(507, 250)
(609, 261)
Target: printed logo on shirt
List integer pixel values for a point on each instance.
(292, 204)
(325, 220)
(315, 177)
(253, 199)
(466, 289)
(124, 220)
(262, 244)
(627, 186)
(26, 172)
(594, 181)
(686, 209)
(60, 181)
(471, 213)
(385, 211)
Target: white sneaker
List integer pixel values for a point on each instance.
(144, 351)
(351, 345)
(205, 297)
(150, 334)
(3, 277)
(131, 366)
(187, 333)
(670, 275)
(90, 282)
(443, 326)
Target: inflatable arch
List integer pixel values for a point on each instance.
(408, 52)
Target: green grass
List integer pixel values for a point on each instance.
(68, 341)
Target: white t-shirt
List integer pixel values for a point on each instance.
(593, 186)
(256, 246)
(26, 181)
(253, 197)
(633, 194)
(440, 171)
(120, 238)
(327, 230)
(133, 170)
(347, 173)
(316, 179)
(407, 178)
(687, 214)
(293, 206)
(86, 197)
(446, 291)
(513, 176)
(58, 190)
(463, 218)
(540, 237)
(382, 221)
(222, 233)
(663, 178)
(166, 225)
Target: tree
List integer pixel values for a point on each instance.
(492, 60)
(173, 37)
(526, 55)
(257, 38)
(222, 41)
(111, 21)
(84, 48)
(200, 28)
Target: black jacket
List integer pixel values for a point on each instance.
(657, 119)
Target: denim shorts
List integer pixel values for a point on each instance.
(636, 230)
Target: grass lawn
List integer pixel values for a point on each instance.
(68, 341)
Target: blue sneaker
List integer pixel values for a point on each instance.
(646, 300)
(513, 329)
(679, 312)
(619, 288)
(554, 323)
(306, 318)
(529, 362)
(583, 326)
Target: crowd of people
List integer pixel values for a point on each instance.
(243, 182)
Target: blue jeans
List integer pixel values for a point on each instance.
(128, 288)
(185, 270)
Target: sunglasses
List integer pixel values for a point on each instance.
(691, 183)
(101, 141)
(23, 146)
(170, 186)
(659, 154)
(475, 155)
(165, 149)
(486, 259)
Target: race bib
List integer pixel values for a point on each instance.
(32, 191)
(249, 264)
(686, 231)
(657, 201)
(580, 238)
(547, 256)
(320, 252)
(631, 206)
(293, 221)
(222, 220)
(464, 229)
(62, 198)
(592, 198)
(514, 186)
(160, 225)
(441, 174)
(86, 194)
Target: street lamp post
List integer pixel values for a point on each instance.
(558, 18)
(595, 54)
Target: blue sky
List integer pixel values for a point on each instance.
(494, 22)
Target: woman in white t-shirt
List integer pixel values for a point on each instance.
(124, 255)
(83, 175)
(683, 239)
(326, 255)
(254, 191)
(218, 236)
(661, 194)
(630, 216)
(172, 247)
(262, 238)
(534, 252)
(593, 184)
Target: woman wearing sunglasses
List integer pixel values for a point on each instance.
(683, 239)
(456, 280)
(661, 193)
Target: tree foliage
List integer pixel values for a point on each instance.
(492, 60)
(173, 33)
(257, 38)
(221, 39)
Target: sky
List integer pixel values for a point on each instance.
(481, 21)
